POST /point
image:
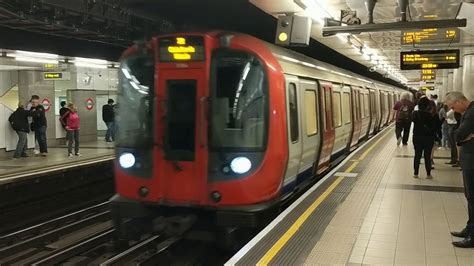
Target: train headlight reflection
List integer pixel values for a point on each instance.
(240, 165)
(127, 160)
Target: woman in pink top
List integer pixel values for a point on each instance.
(70, 120)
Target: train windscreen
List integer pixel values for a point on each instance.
(239, 101)
(136, 96)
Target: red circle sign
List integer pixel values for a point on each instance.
(89, 104)
(46, 104)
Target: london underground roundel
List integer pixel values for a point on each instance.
(46, 104)
(89, 104)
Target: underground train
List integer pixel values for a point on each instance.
(226, 125)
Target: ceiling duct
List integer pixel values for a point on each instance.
(370, 5)
(403, 4)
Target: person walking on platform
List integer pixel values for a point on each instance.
(108, 115)
(464, 137)
(71, 122)
(404, 109)
(424, 133)
(19, 122)
(39, 125)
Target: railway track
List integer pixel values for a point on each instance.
(86, 237)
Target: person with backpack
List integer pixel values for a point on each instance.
(19, 122)
(71, 122)
(404, 109)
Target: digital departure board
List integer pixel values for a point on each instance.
(185, 48)
(436, 59)
(430, 36)
(52, 75)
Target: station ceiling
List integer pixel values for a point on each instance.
(103, 29)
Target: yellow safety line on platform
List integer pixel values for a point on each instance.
(273, 251)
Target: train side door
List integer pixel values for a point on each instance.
(327, 126)
(293, 127)
(309, 126)
(356, 117)
(182, 135)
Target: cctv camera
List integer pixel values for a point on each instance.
(372, 68)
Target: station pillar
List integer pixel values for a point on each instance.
(85, 101)
(450, 82)
(457, 79)
(468, 76)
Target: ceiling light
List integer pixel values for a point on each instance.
(82, 64)
(36, 60)
(33, 54)
(90, 60)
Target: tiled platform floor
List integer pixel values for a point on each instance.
(407, 221)
(56, 156)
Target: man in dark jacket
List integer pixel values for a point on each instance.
(108, 115)
(19, 122)
(464, 137)
(39, 125)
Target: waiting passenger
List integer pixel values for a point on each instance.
(70, 120)
(404, 110)
(39, 125)
(444, 126)
(108, 115)
(438, 135)
(19, 122)
(424, 133)
(452, 126)
(464, 137)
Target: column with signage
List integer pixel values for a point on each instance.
(32, 83)
(86, 103)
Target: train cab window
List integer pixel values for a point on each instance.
(239, 101)
(135, 97)
(311, 113)
(337, 114)
(346, 101)
(293, 112)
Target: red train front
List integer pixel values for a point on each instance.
(194, 120)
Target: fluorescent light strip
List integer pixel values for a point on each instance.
(81, 64)
(36, 60)
(34, 54)
(90, 60)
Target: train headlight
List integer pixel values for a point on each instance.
(126, 160)
(240, 165)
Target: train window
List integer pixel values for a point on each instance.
(337, 114)
(366, 105)
(311, 113)
(293, 111)
(180, 120)
(239, 101)
(328, 109)
(361, 101)
(346, 101)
